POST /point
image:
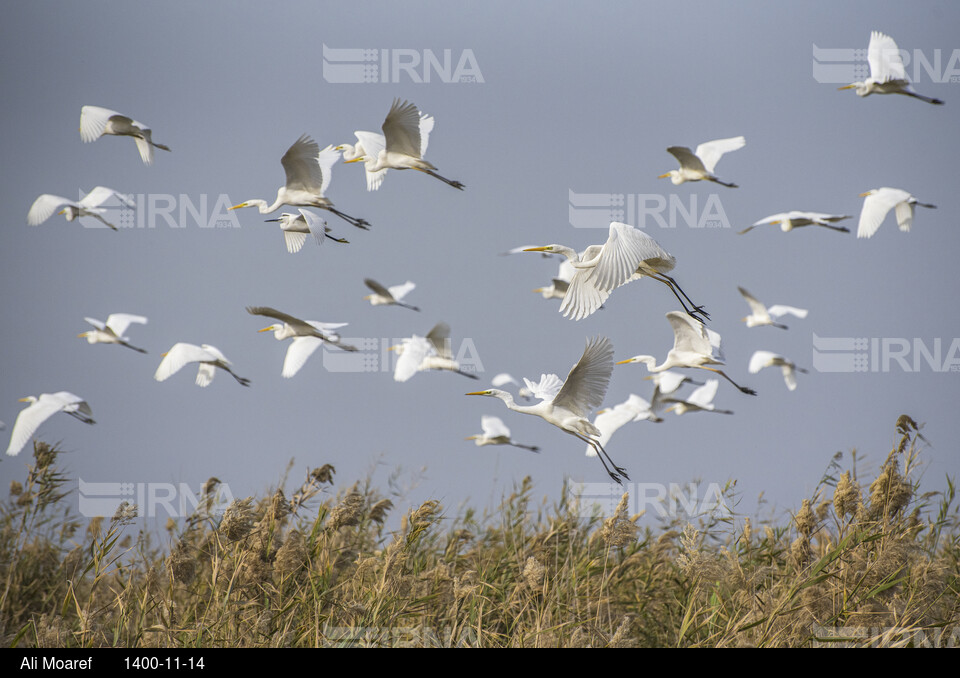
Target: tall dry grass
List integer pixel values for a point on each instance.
(863, 563)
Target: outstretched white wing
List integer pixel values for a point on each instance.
(586, 385)
(710, 152)
(300, 349)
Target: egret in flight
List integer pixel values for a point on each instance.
(699, 400)
(791, 220)
(698, 165)
(495, 432)
(628, 254)
(368, 147)
(389, 296)
(307, 336)
(887, 74)
(88, 206)
(111, 332)
(41, 409)
(567, 404)
(693, 346)
(96, 121)
(308, 172)
(612, 419)
(879, 201)
(295, 228)
(761, 315)
(209, 357)
(761, 359)
(420, 354)
(404, 143)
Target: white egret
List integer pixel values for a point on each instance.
(420, 354)
(887, 74)
(308, 171)
(111, 332)
(761, 315)
(795, 219)
(560, 283)
(88, 206)
(761, 359)
(505, 378)
(368, 147)
(612, 419)
(495, 432)
(208, 356)
(404, 143)
(389, 296)
(295, 228)
(567, 404)
(693, 346)
(41, 409)
(699, 400)
(698, 165)
(879, 201)
(307, 336)
(96, 121)
(629, 254)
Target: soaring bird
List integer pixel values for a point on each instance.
(612, 419)
(495, 432)
(761, 359)
(88, 206)
(308, 171)
(879, 201)
(41, 409)
(111, 332)
(96, 121)
(698, 165)
(404, 143)
(795, 219)
(693, 346)
(567, 404)
(389, 296)
(368, 147)
(307, 336)
(433, 352)
(761, 315)
(699, 400)
(887, 74)
(209, 357)
(628, 254)
(295, 228)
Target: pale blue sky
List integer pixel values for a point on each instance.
(576, 97)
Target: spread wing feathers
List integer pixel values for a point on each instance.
(710, 152)
(294, 241)
(301, 166)
(93, 121)
(372, 144)
(689, 334)
(755, 305)
(44, 206)
(883, 56)
(904, 212)
(613, 419)
(315, 224)
(686, 158)
(586, 385)
(402, 129)
(119, 322)
(426, 126)
(100, 194)
(415, 349)
(546, 389)
(875, 208)
(300, 349)
(439, 337)
(493, 427)
(778, 310)
(398, 292)
(377, 287)
(702, 396)
(326, 159)
(48, 404)
(668, 381)
(182, 353)
(625, 249)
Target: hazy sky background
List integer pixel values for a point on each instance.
(581, 97)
